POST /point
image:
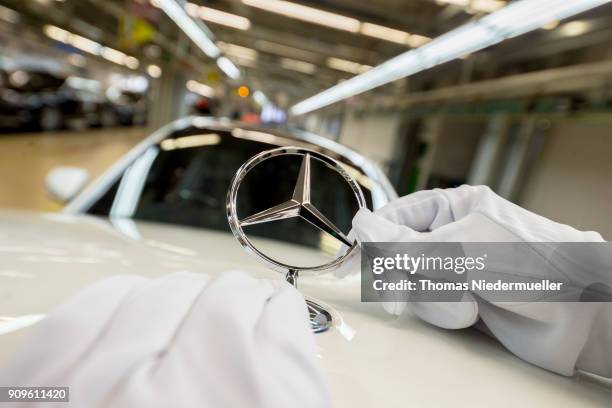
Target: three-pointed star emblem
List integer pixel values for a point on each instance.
(299, 206)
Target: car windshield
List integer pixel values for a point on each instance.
(184, 180)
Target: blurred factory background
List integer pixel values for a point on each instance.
(470, 91)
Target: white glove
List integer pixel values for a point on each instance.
(556, 336)
(182, 340)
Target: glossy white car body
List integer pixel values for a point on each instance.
(369, 358)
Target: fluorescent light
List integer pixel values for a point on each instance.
(461, 3)
(384, 33)
(223, 18)
(200, 88)
(189, 26)
(89, 46)
(56, 33)
(486, 6)
(228, 67)
(260, 98)
(333, 20)
(299, 66)
(243, 62)
(238, 51)
(77, 41)
(85, 44)
(574, 28)
(305, 13)
(516, 18)
(119, 57)
(131, 62)
(243, 56)
(112, 55)
(393, 35)
(218, 16)
(476, 6)
(463, 40)
(523, 16)
(347, 66)
(190, 141)
(154, 71)
(416, 40)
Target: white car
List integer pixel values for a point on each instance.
(161, 208)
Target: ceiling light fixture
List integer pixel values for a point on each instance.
(347, 66)
(260, 98)
(200, 88)
(56, 33)
(113, 55)
(337, 21)
(228, 67)
(393, 35)
(238, 51)
(476, 6)
(243, 62)
(218, 16)
(515, 19)
(154, 71)
(90, 46)
(192, 28)
(305, 13)
(85, 44)
(131, 62)
(416, 40)
(485, 6)
(385, 33)
(299, 66)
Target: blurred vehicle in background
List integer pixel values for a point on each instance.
(32, 100)
(39, 99)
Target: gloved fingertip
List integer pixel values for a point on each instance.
(394, 308)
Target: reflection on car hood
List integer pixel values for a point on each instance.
(62, 253)
(368, 358)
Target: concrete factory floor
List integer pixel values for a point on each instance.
(26, 158)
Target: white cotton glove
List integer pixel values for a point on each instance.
(183, 340)
(557, 336)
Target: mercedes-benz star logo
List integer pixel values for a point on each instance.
(299, 205)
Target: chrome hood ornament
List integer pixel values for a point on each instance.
(299, 205)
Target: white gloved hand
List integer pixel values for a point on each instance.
(556, 336)
(182, 340)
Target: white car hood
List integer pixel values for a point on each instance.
(369, 358)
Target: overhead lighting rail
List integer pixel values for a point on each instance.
(90, 46)
(198, 33)
(510, 21)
